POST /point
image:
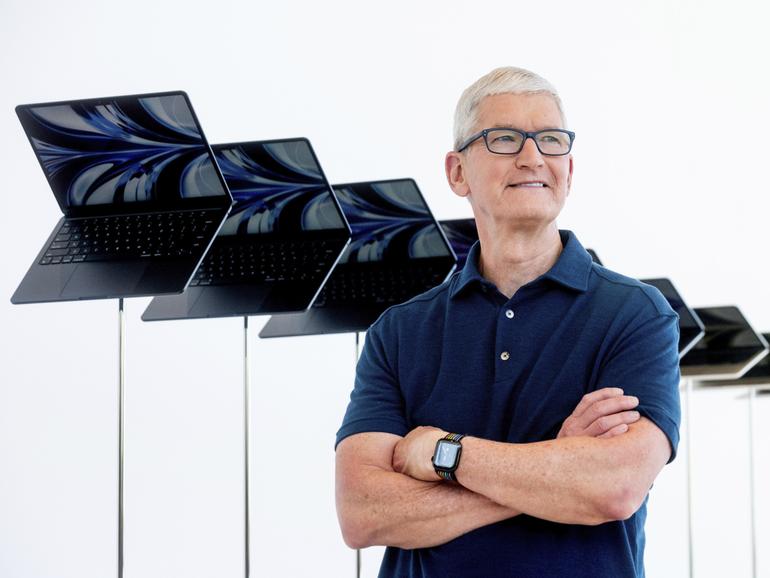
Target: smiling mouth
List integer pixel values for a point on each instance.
(533, 185)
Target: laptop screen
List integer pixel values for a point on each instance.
(390, 221)
(690, 326)
(278, 187)
(462, 234)
(761, 369)
(729, 338)
(122, 150)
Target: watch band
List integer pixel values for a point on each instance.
(445, 474)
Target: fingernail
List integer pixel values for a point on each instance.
(635, 414)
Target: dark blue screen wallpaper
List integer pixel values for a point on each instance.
(277, 187)
(461, 234)
(390, 221)
(122, 150)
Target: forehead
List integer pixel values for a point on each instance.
(523, 111)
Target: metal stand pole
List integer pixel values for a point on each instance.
(688, 443)
(246, 435)
(121, 400)
(358, 550)
(752, 393)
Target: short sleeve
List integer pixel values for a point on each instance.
(376, 403)
(645, 363)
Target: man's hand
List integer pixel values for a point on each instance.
(603, 413)
(412, 454)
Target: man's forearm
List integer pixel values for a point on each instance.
(379, 507)
(578, 480)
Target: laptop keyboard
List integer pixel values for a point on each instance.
(266, 261)
(387, 286)
(125, 237)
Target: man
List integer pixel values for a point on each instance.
(536, 355)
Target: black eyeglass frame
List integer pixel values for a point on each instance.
(526, 134)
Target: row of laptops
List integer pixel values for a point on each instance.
(150, 209)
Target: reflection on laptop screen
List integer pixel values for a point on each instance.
(122, 150)
(390, 222)
(278, 187)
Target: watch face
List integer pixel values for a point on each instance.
(446, 456)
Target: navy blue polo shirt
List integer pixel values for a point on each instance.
(464, 358)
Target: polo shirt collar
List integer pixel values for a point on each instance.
(571, 269)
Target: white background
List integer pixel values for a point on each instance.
(670, 103)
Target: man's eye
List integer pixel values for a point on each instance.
(505, 138)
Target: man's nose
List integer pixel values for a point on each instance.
(529, 156)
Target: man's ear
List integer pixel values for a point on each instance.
(455, 173)
(569, 176)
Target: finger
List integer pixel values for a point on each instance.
(608, 422)
(607, 407)
(590, 398)
(616, 431)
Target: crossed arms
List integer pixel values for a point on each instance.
(598, 469)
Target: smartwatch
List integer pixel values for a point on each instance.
(446, 457)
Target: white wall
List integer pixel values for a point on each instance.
(669, 100)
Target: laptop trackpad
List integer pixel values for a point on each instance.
(233, 300)
(101, 280)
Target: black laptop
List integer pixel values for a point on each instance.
(758, 375)
(595, 257)
(690, 326)
(398, 251)
(284, 235)
(729, 348)
(141, 194)
(461, 234)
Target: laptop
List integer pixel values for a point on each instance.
(461, 234)
(757, 375)
(690, 326)
(398, 251)
(141, 196)
(285, 233)
(729, 348)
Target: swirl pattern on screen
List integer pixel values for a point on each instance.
(277, 187)
(461, 234)
(122, 150)
(390, 222)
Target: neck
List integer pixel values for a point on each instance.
(512, 258)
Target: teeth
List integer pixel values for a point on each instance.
(530, 185)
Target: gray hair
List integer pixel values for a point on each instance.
(504, 80)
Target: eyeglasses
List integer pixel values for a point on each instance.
(552, 142)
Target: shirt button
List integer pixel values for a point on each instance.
(509, 314)
(505, 356)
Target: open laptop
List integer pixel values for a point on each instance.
(141, 195)
(398, 251)
(757, 375)
(461, 234)
(729, 348)
(284, 235)
(690, 326)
